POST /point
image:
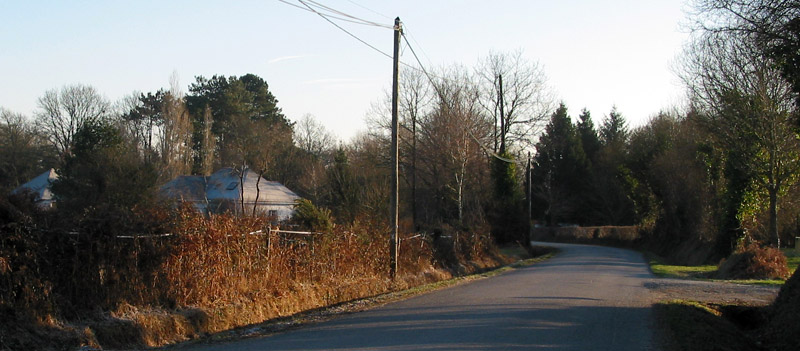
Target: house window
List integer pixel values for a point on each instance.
(232, 185)
(273, 213)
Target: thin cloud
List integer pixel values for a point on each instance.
(286, 58)
(334, 81)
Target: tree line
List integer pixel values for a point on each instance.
(717, 173)
(115, 155)
(719, 170)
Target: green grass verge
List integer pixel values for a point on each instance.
(792, 258)
(660, 268)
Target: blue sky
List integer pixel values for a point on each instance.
(595, 53)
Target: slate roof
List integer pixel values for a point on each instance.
(224, 186)
(40, 186)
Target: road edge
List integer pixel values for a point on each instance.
(323, 314)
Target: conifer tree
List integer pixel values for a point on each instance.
(588, 135)
(614, 129)
(560, 169)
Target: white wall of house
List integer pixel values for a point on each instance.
(225, 190)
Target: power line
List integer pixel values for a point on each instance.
(414, 39)
(366, 22)
(370, 10)
(474, 138)
(342, 29)
(328, 17)
(308, 7)
(338, 15)
(421, 66)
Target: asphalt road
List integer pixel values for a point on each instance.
(586, 298)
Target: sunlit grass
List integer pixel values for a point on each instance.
(660, 268)
(792, 258)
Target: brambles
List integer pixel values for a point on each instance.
(129, 284)
(752, 261)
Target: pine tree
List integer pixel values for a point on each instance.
(614, 129)
(588, 135)
(610, 189)
(560, 170)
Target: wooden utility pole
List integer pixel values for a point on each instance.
(502, 117)
(414, 171)
(529, 196)
(394, 205)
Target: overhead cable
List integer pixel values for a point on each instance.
(333, 13)
(370, 10)
(307, 6)
(354, 18)
(441, 96)
(325, 17)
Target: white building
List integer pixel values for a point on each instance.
(40, 187)
(229, 189)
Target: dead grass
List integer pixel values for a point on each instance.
(517, 254)
(213, 274)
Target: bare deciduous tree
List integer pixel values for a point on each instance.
(515, 93)
(62, 112)
(450, 139)
(208, 144)
(415, 101)
(774, 25)
(176, 138)
(318, 144)
(312, 137)
(24, 151)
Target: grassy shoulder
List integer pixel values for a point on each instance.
(691, 325)
(661, 268)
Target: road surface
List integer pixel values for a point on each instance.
(586, 298)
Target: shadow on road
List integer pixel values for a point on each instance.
(509, 326)
(586, 298)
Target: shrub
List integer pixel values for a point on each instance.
(309, 216)
(750, 261)
(23, 289)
